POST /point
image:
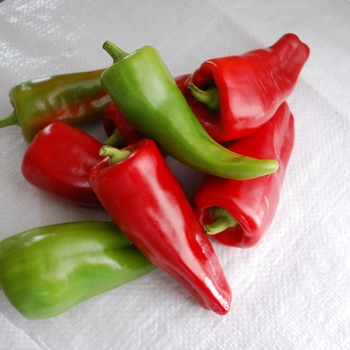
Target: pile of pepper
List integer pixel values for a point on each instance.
(229, 120)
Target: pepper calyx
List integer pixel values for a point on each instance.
(116, 139)
(223, 220)
(114, 51)
(12, 119)
(115, 155)
(209, 97)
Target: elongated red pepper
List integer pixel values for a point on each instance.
(242, 211)
(142, 195)
(58, 160)
(234, 95)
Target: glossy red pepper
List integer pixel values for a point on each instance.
(248, 206)
(243, 92)
(114, 119)
(58, 160)
(142, 195)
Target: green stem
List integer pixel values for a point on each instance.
(116, 139)
(115, 155)
(209, 97)
(223, 220)
(10, 120)
(114, 51)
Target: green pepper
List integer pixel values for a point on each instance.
(73, 98)
(142, 87)
(48, 270)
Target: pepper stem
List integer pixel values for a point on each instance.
(115, 155)
(209, 97)
(223, 220)
(12, 119)
(114, 51)
(116, 139)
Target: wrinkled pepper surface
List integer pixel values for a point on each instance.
(47, 270)
(238, 213)
(58, 160)
(143, 89)
(232, 96)
(73, 98)
(144, 198)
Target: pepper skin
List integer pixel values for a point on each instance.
(252, 203)
(58, 161)
(47, 270)
(243, 92)
(72, 98)
(114, 119)
(144, 198)
(143, 89)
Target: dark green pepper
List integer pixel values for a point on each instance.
(142, 87)
(47, 270)
(72, 98)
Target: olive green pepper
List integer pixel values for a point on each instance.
(72, 98)
(48, 270)
(142, 87)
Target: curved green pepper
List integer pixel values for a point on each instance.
(142, 87)
(48, 270)
(72, 98)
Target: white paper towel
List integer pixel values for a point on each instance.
(291, 291)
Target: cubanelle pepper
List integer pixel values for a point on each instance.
(233, 96)
(45, 271)
(58, 160)
(73, 98)
(143, 89)
(146, 201)
(238, 213)
(116, 124)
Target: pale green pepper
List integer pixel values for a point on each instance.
(48, 270)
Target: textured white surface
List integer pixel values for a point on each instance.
(291, 291)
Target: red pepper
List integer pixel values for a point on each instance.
(58, 160)
(144, 198)
(114, 119)
(181, 81)
(243, 92)
(248, 206)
